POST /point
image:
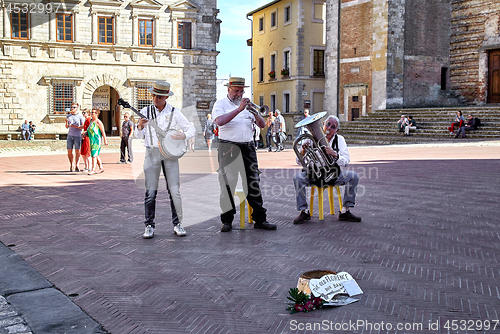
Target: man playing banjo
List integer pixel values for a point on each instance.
(166, 117)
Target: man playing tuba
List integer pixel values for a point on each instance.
(337, 149)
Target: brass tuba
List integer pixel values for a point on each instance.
(317, 164)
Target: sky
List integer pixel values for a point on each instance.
(234, 58)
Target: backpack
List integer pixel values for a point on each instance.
(210, 127)
(478, 123)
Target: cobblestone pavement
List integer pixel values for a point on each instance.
(426, 254)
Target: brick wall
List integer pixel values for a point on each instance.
(474, 32)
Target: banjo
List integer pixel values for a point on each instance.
(172, 149)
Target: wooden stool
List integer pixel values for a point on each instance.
(242, 198)
(320, 200)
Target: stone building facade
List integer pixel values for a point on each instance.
(97, 51)
(410, 54)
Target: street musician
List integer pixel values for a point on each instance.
(336, 148)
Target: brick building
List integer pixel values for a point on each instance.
(96, 51)
(411, 53)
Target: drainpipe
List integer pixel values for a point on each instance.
(251, 59)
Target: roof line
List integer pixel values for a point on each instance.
(261, 8)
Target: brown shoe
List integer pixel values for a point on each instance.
(349, 217)
(302, 218)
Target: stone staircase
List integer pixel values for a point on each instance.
(379, 127)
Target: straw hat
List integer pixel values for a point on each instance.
(161, 88)
(236, 82)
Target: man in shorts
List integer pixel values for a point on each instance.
(74, 124)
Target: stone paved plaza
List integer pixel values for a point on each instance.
(426, 254)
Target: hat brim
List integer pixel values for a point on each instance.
(151, 90)
(231, 85)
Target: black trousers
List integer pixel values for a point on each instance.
(239, 159)
(126, 143)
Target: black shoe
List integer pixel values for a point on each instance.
(270, 149)
(226, 227)
(302, 218)
(456, 136)
(349, 217)
(265, 226)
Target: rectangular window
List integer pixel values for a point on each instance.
(63, 95)
(273, 103)
(286, 60)
(19, 24)
(319, 63)
(318, 11)
(261, 69)
(184, 35)
(142, 94)
(288, 14)
(106, 30)
(273, 63)
(64, 27)
(261, 100)
(273, 19)
(261, 24)
(355, 99)
(286, 101)
(146, 32)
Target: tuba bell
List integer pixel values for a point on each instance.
(317, 164)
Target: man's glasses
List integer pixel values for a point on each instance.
(74, 107)
(331, 125)
(125, 116)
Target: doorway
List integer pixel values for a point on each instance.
(494, 77)
(104, 99)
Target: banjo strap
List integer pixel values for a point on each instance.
(153, 116)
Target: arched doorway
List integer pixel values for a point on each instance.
(104, 98)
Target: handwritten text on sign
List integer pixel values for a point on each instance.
(328, 286)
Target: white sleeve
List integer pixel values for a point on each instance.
(344, 158)
(184, 124)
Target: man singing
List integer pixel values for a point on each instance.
(338, 149)
(236, 144)
(164, 115)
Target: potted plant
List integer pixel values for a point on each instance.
(285, 72)
(272, 74)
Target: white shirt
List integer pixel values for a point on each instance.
(179, 122)
(344, 158)
(239, 129)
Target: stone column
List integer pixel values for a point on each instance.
(331, 57)
(95, 28)
(156, 28)
(52, 27)
(135, 30)
(117, 28)
(76, 25)
(6, 21)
